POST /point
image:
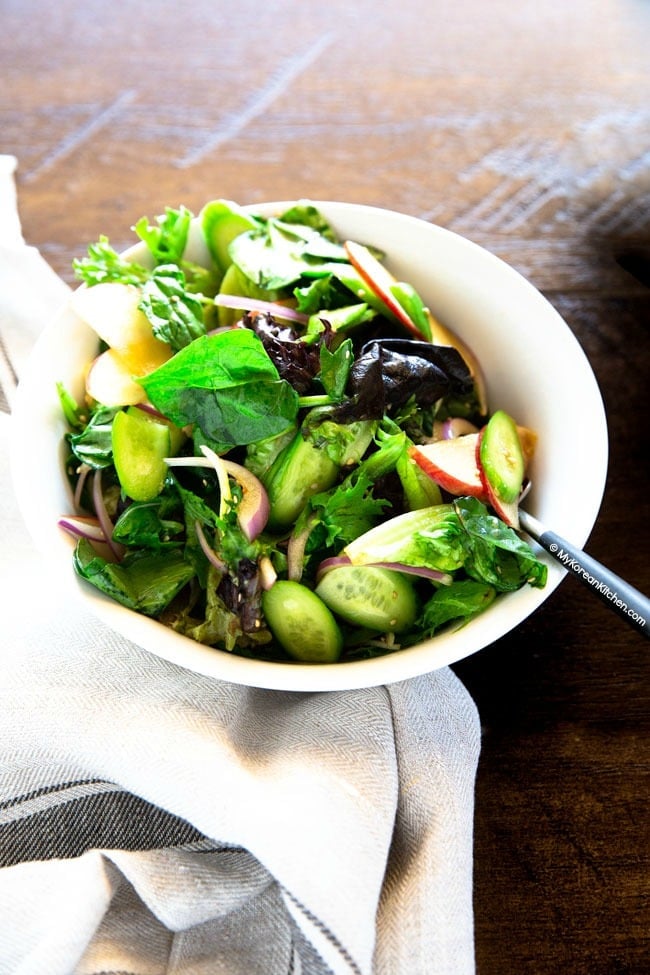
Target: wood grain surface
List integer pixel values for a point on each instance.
(525, 127)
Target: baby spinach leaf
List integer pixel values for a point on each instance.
(321, 294)
(146, 583)
(308, 215)
(93, 445)
(279, 253)
(495, 553)
(143, 524)
(228, 386)
(242, 414)
(211, 362)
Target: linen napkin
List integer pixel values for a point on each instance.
(153, 820)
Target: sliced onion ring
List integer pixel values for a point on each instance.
(456, 426)
(103, 516)
(83, 527)
(209, 552)
(335, 562)
(254, 507)
(265, 307)
(424, 572)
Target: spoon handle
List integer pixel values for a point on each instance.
(619, 595)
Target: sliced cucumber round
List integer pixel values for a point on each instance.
(501, 458)
(379, 599)
(302, 623)
(139, 447)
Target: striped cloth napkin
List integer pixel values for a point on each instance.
(154, 821)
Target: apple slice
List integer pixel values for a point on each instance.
(112, 311)
(110, 381)
(452, 464)
(380, 280)
(507, 511)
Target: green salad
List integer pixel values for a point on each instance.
(280, 452)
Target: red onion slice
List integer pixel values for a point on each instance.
(209, 552)
(83, 472)
(335, 562)
(254, 507)
(103, 517)
(82, 527)
(456, 426)
(424, 572)
(254, 304)
(444, 578)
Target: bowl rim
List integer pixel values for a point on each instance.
(33, 411)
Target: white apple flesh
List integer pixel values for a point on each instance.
(111, 310)
(110, 381)
(452, 464)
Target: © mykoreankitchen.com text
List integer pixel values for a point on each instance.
(570, 562)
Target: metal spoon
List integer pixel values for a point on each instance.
(619, 595)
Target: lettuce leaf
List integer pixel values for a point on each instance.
(461, 601)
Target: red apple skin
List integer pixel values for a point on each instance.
(452, 465)
(508, 512)
(379, 280)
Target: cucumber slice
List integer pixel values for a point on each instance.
(302, 623)
(140, 445)
(501, 458)
(380, 599)
(222, 221)
(298, 472)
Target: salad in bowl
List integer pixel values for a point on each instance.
(282, 454)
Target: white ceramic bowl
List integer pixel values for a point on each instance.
(535, 370)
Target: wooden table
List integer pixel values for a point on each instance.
(525, 127)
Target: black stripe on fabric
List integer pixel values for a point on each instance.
(13, 378)
(113, 820)
(50, 790)
(326, 932)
